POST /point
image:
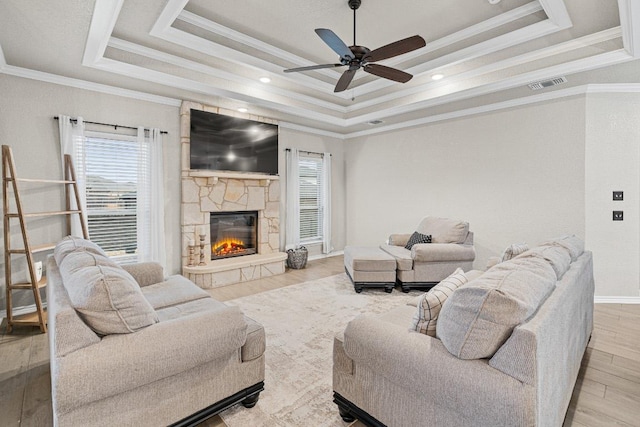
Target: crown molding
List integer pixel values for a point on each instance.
(630, 22)
(105, 15)
(307, 129)
(557, 12)
(616, 300)
(87, 85)
(614, 88)
(580, 90)
(584, 64)
(3, 61)
(146, 74)
(568, 46)
(236, 36)
(214, 72)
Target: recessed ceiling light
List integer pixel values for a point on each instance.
(242, 110)
(265, 79)
(437, 76)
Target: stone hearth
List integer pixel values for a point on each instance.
(216, 191)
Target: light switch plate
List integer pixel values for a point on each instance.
(618, 215)
(618, 195)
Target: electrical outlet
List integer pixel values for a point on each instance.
(618, 195)
(617, 215)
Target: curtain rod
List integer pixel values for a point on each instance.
(164, 132)
(308, 152)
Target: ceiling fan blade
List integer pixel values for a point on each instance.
(388, 73)
(345, 79)
(312, 67)
(335, 43)
(395, 49)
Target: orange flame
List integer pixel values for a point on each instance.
(227, 246)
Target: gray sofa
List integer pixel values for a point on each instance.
(484, 367)
(130, 347)
(425, 264)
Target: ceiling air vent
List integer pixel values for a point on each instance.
(547, 83)
(374, 122)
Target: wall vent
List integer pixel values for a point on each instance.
(547, 83)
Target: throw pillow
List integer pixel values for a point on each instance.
(514, 250)
(429, 304)
(417, 238)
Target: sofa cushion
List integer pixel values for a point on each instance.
(558, 257)
(417, 238)
(175, 290)
(479, 317)
(572, 243)
(402, 256)
(425, 317)
(72, 244)
(513, 251)
(443, 230)
(107, 298)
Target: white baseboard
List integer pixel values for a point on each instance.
(616, 300)
(321, 256)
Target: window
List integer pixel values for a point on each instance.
(311, 208)
(115, 172)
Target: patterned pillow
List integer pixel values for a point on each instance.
(426, 317)
(417, 238)
(514, 250)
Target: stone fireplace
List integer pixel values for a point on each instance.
(205, 195)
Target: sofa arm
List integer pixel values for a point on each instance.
(421, 365)
(123, 362)
(145, 273)
(430, 252)
(399, 239)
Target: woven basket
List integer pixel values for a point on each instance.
(297, 258)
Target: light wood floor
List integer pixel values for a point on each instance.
(607, 392)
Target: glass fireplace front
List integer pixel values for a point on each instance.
(233, 234)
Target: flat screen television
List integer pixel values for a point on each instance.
(225, 143)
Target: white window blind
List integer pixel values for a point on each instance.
(115, 172)
(311, 209)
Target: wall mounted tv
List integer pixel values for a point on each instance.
(225, 143)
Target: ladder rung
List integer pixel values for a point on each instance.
(34, 249)
(30, 318)
(27, 285)
(36, 214)
(42, 181)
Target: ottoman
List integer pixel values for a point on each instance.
(369, 267)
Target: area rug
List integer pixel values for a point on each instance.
(300, 322)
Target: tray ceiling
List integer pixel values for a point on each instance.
(215, 51)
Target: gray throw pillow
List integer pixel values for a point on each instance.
(417, 238)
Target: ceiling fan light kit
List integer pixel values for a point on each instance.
(357, 57)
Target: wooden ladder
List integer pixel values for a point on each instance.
(10, 181)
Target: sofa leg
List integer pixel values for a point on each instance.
(251, 401)
(388, 289)
(346, 415)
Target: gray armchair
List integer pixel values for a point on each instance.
(426, 264)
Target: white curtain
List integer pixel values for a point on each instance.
(326, 203)
(150, 214)
(292, 226)
(71, 135)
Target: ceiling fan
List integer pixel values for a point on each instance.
(356, 57)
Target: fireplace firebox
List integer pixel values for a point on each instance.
(233, 234)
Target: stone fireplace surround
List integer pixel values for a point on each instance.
(216, 191)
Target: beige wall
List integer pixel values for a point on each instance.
(516, 175)
(27, 125)
(612, 164)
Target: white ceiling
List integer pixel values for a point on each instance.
(215, 51)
